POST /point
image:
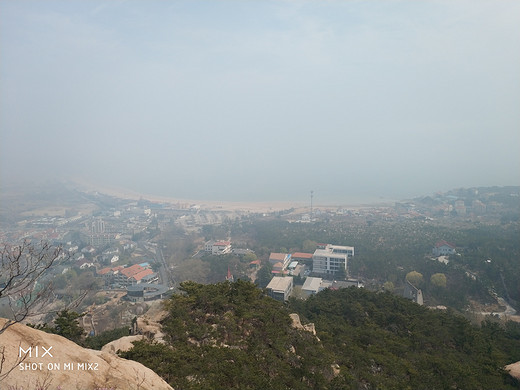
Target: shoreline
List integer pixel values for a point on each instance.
(213, 205)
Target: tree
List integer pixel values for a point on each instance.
(67, 325)
(388, 286)
(341, 274)
(438, 280)
(309, 246)
(24, 285)
(23, 281)
(264, 276)
(249, 257)
(414, 277)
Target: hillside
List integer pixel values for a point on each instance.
(229, 335)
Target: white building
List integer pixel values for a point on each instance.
(218, 247)
(443, 248)
(330, 259)
(311, 286)
(280, 288)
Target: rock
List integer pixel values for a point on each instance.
(42, 360)
(514, 370)
(149, 324)
(123, 344)
(296, 323)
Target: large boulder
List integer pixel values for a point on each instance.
(296, 323)
(514, 370)
(122, 344)
(37, 359)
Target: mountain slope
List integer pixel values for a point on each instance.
(229, 335)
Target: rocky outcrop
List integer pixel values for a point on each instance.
(296, 323)
(514, 370)
(123, 344)
(40, 360)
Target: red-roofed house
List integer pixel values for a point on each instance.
(279, 261)
(124, 276)
(301, 257)
(104, 271)
(145, 276)
(443, 248)
(108, 273)
(255, 264)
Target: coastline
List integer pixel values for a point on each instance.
(213, 205)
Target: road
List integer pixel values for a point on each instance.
(164, 272)
(510, 311)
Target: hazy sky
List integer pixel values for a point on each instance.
(262, 100)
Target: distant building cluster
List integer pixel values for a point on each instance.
(327, 260)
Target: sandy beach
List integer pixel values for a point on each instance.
(125, 193)
(253, 207)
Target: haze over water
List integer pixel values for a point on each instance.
(259, 101)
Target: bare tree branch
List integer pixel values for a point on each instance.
(22, 278)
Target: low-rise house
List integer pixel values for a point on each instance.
(255, 264)
(443, 248)
(279, 261)
(302, 257)
(89, 249)
(108, 274)
(278, 269)
(84, 263)
(311, 286)
(280, 288)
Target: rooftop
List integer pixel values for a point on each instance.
(443, 243)
(312, 284)
(142, 274)
(279, 283)
(131, 271)
(278, 256)
(222, 243)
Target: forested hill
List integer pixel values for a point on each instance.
(229, 335)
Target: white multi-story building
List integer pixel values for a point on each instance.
(218, 247)
(330, 259)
